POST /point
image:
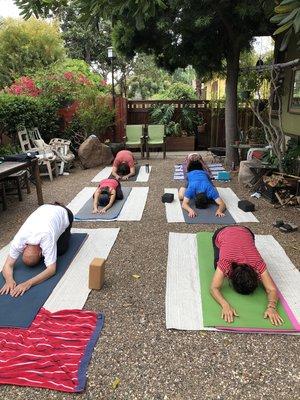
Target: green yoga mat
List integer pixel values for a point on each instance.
(249, 307)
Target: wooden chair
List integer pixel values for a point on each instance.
(134, 137)
(18, 181)
(155, 137)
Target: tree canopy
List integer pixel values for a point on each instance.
(26, 46)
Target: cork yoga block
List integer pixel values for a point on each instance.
(96, 273)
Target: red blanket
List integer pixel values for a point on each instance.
(54, 352)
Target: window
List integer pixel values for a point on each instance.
(294, 103)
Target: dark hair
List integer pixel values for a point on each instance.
(104, 196)
(194, 165)
(201, 201)
(123, 169)
(244, 278)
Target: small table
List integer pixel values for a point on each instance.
(10, 167)
(259, 171)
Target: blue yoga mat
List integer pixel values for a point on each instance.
(19, 312)
(207, 216)
(85, 213)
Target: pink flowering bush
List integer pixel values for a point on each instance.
(24, 86)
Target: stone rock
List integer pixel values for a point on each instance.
(93, 153)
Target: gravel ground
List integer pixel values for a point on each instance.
(151, 362)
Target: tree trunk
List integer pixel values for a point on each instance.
(231, 105)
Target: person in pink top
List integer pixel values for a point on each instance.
(123, 165)
(237, 258)
(105, 195)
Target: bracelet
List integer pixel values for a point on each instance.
(270, 306)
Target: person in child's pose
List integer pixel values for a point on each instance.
(201, 189)
(123, 165)
(105, 195)
(45, 234)
(237, 258)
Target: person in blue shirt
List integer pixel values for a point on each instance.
(200, 189)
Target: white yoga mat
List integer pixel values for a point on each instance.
(72, 290)
(105, 173)
(131, 211)
(183, 296)
(174, 210)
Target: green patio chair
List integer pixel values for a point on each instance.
(155, 138)
(134, 137)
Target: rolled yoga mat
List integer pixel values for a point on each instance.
(85, 213)
(207, 216)
(19, 312)
(250, 308)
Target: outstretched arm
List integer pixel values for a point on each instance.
(186, 206)
(228, 313)
(271, 291)
(221, 208)
(96, 201)
(20, 289)
(7, 273)
(115, 174)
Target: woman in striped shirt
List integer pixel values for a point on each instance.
(237, 258)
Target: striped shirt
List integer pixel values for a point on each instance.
(236, 245)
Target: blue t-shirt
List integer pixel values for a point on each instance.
(199, 182)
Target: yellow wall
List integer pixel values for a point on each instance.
(290, 120)
(211, 94)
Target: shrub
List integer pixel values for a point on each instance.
(177, 91)
(16, 111)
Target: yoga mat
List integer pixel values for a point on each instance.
(85, 213)
(19, 312)
(207, 216)
(249, 307)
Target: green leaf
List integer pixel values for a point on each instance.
(289, 17)
(278, 17)
(285, 2)
(285, 9)
(297, 23)
(285, 40)
(283, 28)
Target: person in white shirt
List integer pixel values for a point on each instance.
(45, 233)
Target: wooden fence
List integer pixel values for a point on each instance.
(213, 115)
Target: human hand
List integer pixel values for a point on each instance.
(8, 287)
(192, 214)
(20, 289)
(228, 313)
(95, 211)
(102, 211)
(125, 178)
(219, 214)
(273, 316)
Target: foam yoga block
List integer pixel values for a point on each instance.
(96, 273)
(167, 198)
(246, 205)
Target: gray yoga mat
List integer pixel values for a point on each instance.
(132, 178)
(85, 213)
(19, 312)
(207, 216)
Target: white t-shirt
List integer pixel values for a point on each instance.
(44, 226)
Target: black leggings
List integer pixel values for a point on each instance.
(216, 248)
(64, 239)
(119, 193)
